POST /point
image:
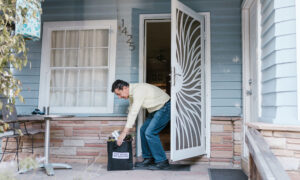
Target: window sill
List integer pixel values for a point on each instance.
(92, 118)
(86, 118)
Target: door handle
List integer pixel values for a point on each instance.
(250, 81)
(249, 92)
(174, 76)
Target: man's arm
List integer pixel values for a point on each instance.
(138, 98)
(130, 104)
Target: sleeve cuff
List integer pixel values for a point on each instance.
(128, 125)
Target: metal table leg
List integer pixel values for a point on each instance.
(47, 139)
(49, 167)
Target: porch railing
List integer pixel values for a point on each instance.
(263, 164)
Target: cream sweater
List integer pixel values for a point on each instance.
(146, 96)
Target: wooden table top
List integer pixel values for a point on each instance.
(41, 117)
(31, 118)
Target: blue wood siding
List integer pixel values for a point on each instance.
(279, 91)
(225, 46)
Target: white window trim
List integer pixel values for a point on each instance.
(44, 89)
(297, 4)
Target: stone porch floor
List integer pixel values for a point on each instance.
(99, 172)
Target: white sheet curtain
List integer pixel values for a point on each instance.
(79, 68)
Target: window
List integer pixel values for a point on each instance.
(78, 66)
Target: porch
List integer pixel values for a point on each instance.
(98, 171)
(83, 140)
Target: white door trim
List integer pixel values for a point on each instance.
(142, 66)
(259, 57)
(246, 56)
(142, 71)
(246, 61)
(298, 54)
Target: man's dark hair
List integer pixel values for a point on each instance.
(118, 84)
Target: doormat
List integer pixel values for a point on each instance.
(173, 167)
(227, 174)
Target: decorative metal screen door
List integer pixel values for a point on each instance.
(187, 89)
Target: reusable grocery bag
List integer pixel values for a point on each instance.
(119, 157)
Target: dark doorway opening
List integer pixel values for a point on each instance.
(158, 62)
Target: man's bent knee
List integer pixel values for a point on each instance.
(149, 134)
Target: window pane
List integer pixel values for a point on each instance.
(57, 58)
(57, 39)
(86, 38)
(71, 87)
(100, 79)
(71, 79)
(101, 57)
(57, 78)
(79, 62)
(85, 78)
(70, 96)
(85, 57)
(56, 97)
(102, 38)
(85, 97)
(71, 57)
(72, 39)
(100, 98)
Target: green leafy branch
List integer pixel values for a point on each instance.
(13, 51)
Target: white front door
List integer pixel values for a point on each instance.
(187, 89)
(251, 32)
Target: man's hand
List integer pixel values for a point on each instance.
(121, 138)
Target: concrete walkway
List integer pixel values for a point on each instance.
(99, 172)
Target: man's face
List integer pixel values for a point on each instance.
(124, 93)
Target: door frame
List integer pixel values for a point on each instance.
(297, 4)
(143, 68)
(246, 61)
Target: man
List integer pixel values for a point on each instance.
(157, 102)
